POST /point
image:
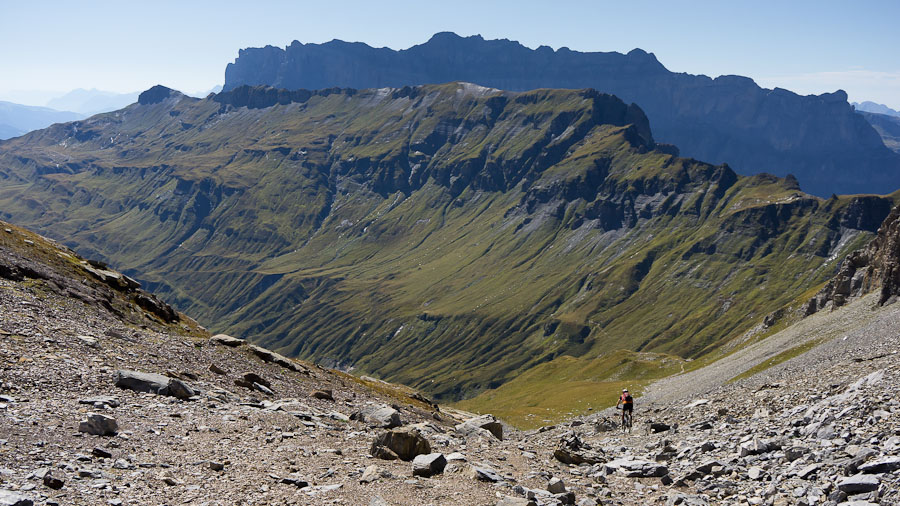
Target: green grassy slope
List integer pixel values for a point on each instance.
(448, 237)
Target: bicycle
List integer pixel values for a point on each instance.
(627, 417)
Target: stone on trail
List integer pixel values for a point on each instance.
(456, 456)
(99, 425)
(384, 417)
(755, 473)
(429, 465)
(572, 450)
(295, 480)
(404, 443)
(153, 383)
(247, 380)
(656, 427)
(687, 500)
(633, 468)
(101, 452)
(858, 483)
(100, 401)
(370, 474)
(378, 501)
(275, 358)
(515, 501)
(10, 498)
(808, 471)
(485, 422)
(53, 482)
(487, 474)
(754, 447)
(882, 465)
(556, 486)
(226, 340)
(325, 395)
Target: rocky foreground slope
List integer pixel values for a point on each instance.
(114, 404)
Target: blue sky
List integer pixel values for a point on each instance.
(805, 46)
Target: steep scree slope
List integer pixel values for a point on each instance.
(449, 237)
(819, 139)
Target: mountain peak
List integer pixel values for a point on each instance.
(156, 94)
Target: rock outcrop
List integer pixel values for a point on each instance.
(874, 268)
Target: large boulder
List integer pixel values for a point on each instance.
(226, 340)
(634, 468)
(405, 444)
(99, 425)
(10, 498)
(755, 447)
(379, 416)
(153, 383)
(858, 483)
(480, 424)
(572, 450)
(429, 464)
(882, 465)
(275, 358)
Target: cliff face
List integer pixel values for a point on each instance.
(819, 139)
(876, 267)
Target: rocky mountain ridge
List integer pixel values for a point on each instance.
(17, 119)
(355, 227)
(818, 139)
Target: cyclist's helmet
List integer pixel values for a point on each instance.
(624, 390)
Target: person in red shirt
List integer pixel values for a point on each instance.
(627, 403)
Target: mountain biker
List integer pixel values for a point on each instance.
(627, 403)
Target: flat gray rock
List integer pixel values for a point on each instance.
(10, 498)
(226, 340)
(429, 464)
(486, 474)
(153, 383)
(485, 422)
(384, 417)
(404, 444)
(515, 501)
(858, 483)
(882, 465)
(270, 356)
(99, 425)
(633, 468)
(556, 486)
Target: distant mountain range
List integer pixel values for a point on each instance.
(16, 119)
(447, 236)
(819, 139)
(876, 108)
(888, 126)
(89, 102)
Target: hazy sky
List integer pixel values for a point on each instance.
(51, 47)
